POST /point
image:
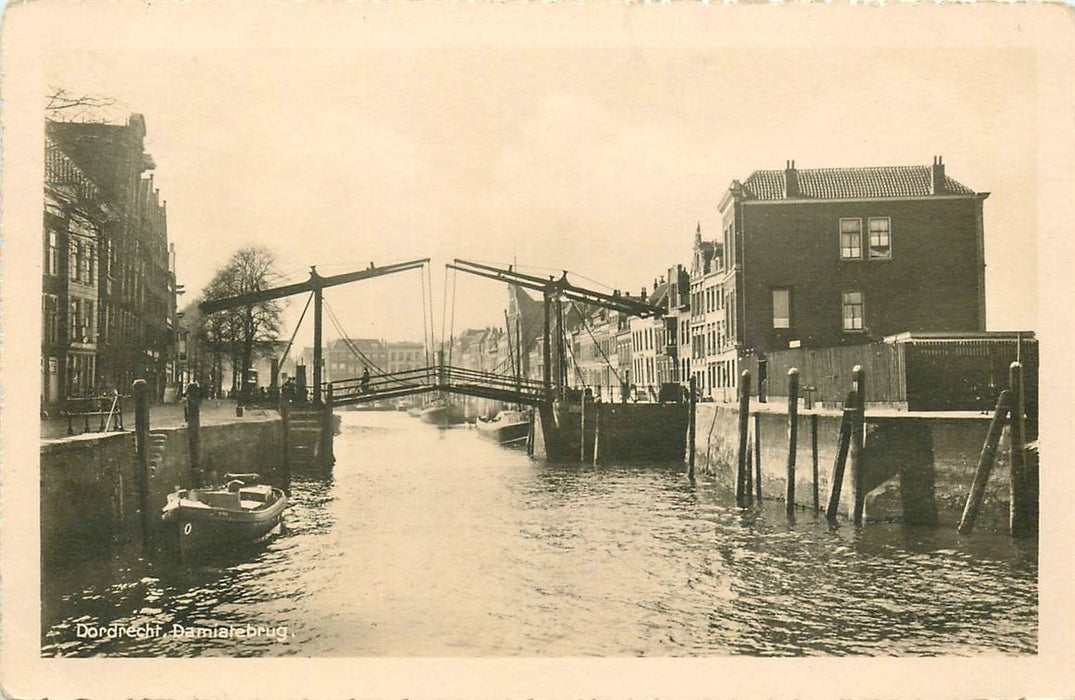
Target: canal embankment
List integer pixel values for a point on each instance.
(917, 467)
(91, 495)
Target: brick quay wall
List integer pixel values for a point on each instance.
(89, 489)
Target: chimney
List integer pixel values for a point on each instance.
(937, 181)
(655, 284)
(791, 180)
(643, 293)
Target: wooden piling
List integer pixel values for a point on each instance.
(757, 457)
(691, 427)
(141, 449)
(1021, 505)
(194, 424)
(748, 488)
(285, 417)
(985, 463)
(843, 444)
(597, 436)
(813, 460)
(582, 429)
(858, 439)
(744, 416)
(793, 437)
(530, 432)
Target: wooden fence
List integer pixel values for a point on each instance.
(918, 374)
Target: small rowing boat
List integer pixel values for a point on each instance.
(242, 510)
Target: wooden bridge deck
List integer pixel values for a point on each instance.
(441, 378)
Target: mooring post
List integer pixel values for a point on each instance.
(285, 417)
(757, 455)
(692, 400)
(744, 417)
(858, 439)
(327, 434)
(813, 459)
(842, 446)
(530, 431)
(582, 429)
(596, 435)
(748, 487)
(141, 449)
(793, 436)
(194, 424)
(1020, 508)
(985, 463)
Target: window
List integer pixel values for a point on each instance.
(51, 308)
(73, 253)
(851, 239)
(853, 311)
(52, 254)
(880, 239)
(781, 308)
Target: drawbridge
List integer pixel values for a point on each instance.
(438, 377)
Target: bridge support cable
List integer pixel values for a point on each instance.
(444, 308)
(429, 291)
(425, 325)
(451, 329)
(287, 350)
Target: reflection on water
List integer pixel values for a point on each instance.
(433, 542)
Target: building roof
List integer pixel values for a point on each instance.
(850, 183)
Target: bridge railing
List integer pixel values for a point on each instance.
(393, 382)
(430, 378)
(457, 376)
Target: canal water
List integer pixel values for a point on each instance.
(430, 542)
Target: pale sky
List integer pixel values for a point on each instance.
(596, 156)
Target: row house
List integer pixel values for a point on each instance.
(837, 256)
(108, 278)
(406, 355)
(482, 349)
(346, 358)
(712, 300)
(678, 324)
(651, 363)
(595, 351)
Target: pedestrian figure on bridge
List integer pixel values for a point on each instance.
(365, 379)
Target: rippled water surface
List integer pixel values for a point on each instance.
(432, 542)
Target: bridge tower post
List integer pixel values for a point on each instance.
(546, 372)
(314, 277)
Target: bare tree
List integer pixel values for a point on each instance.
(62, 105)
(239, 332)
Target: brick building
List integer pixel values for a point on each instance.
(108, 282)
(839, 256)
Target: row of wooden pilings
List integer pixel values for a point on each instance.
(850, 443)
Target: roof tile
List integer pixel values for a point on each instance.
(850, 183)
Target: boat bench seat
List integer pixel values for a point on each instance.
(219, 499)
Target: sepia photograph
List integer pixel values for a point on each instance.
(418, 336)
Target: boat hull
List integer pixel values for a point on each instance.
(504, 433)
(204, 529)
(442, 415)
